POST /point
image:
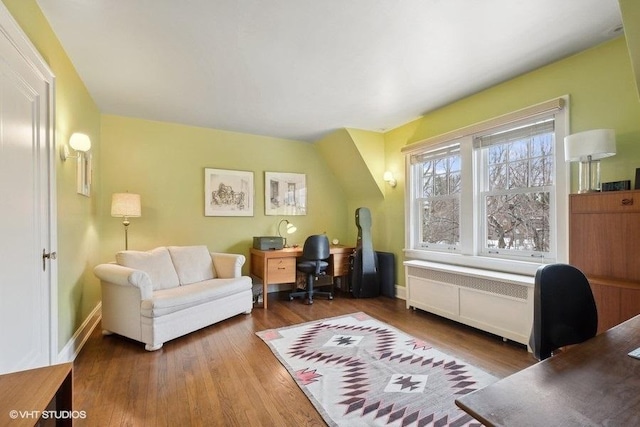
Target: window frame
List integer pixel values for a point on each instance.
(482, 182)
(468, 253)
(445, 152)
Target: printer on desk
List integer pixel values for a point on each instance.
(266, 243)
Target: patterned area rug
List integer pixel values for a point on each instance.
(358, 371)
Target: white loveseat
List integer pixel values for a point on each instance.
(161, 294)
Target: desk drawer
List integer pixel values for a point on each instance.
(606, 202)
(341, 264)
(281, 270)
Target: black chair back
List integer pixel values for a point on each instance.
(316, 248)
(564, 309)
(314, 253)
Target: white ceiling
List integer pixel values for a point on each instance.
(298, 69)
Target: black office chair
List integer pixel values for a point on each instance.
(314, 253)
(564, 311)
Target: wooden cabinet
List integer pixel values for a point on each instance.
(340, 262)
(604, 242)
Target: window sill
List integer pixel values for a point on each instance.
(479, 262)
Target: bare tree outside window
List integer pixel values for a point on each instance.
(517, 194)
(440, 201)
(492, 192)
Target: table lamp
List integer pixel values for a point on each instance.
(588, 148)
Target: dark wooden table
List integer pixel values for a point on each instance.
(25, 395)
(593, 383)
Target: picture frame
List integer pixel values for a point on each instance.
(228, 192)
(285, 193)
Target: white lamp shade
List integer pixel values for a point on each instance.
(291, 228)
(125, 204)
(80, 142)
(598, 144)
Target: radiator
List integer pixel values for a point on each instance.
(499, 303)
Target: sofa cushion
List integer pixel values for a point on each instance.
(180, 298)
(192, 263)
(156, 263)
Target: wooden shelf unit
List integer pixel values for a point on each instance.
(604, 242)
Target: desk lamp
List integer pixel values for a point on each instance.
(290, 229)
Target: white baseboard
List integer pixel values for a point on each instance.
(401, 292)
(74, 345)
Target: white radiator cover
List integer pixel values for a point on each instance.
(499, 303)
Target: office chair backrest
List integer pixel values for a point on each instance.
(316, 247)
(564, 309)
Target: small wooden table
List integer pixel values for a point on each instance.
(279, 266)
(26, 395)
(593, 383)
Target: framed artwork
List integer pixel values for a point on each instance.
(228, 192)
(285, 193)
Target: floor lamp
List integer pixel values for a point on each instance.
(125, 205)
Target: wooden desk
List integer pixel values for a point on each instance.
(25, 395)
(279, 266)
(593, 383)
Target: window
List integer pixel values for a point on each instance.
(516, 183)
(494, 196)
(438, 198)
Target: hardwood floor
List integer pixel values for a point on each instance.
(224, 375)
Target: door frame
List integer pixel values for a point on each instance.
(14, 33)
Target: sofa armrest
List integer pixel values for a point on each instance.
(125, 276)
(227, 265)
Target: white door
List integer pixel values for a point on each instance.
(26, 205)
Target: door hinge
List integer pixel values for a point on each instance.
(47, 255)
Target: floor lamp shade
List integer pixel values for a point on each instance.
(125, 205)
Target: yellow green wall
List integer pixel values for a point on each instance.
(165, 162)
(75, 111)
(630, 10)
(600, 83)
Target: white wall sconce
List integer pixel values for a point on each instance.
(389, 179)
(81, 144)
(588, 148)
(125, 205)
(290, 229)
